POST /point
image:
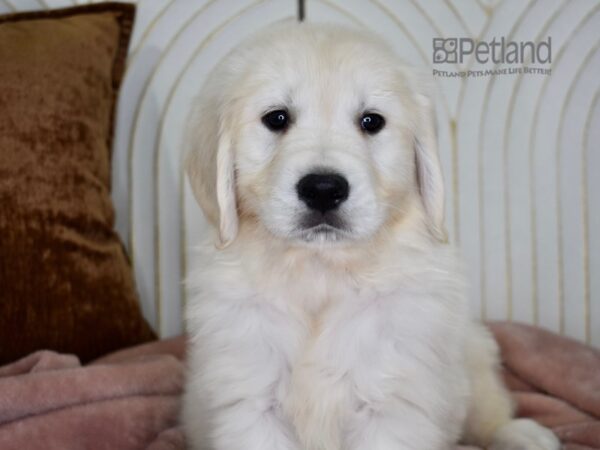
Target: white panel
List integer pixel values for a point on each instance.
(571, 142)
(516, 123)
(142, 145)
(546, 170)
(583, 56)
(155, 41)
(518, 131)
(493, 199)
(504, 183)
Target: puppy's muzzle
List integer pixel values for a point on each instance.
(323, 191)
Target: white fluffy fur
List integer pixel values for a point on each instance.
(348, 340)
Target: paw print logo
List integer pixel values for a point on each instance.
(445, 50)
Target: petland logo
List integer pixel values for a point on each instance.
(527, 56)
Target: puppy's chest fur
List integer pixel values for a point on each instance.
(333, 336)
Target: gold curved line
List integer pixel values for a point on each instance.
(132, 139)
(586, 218)
(158, 142)
(481, 203)
(481, 6)
(532, 138)
(460, 18)
(133, 54)
(487, 9)
(563, 108)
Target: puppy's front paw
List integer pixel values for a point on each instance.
(524, 434)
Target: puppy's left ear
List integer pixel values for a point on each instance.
(211, 167)
(429, 171)
(226, 199)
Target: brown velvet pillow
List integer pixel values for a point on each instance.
(65, 280)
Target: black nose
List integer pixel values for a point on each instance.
(323, 192)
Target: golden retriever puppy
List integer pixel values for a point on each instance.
(331, 314)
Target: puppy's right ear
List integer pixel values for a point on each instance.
(428, 168)
(210, 168)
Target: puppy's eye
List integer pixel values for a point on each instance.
(276, 120)
(371, 123)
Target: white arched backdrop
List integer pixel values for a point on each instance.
(519, 152)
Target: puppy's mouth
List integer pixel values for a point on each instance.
(316, 226)
(315, 219)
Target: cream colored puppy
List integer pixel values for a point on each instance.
(331, 315)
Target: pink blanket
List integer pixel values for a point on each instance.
(554, 380)
(129, 400)
(126, 401)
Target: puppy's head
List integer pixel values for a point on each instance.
(319, 135)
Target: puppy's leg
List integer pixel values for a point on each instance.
(490, 421)
(238, 374)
